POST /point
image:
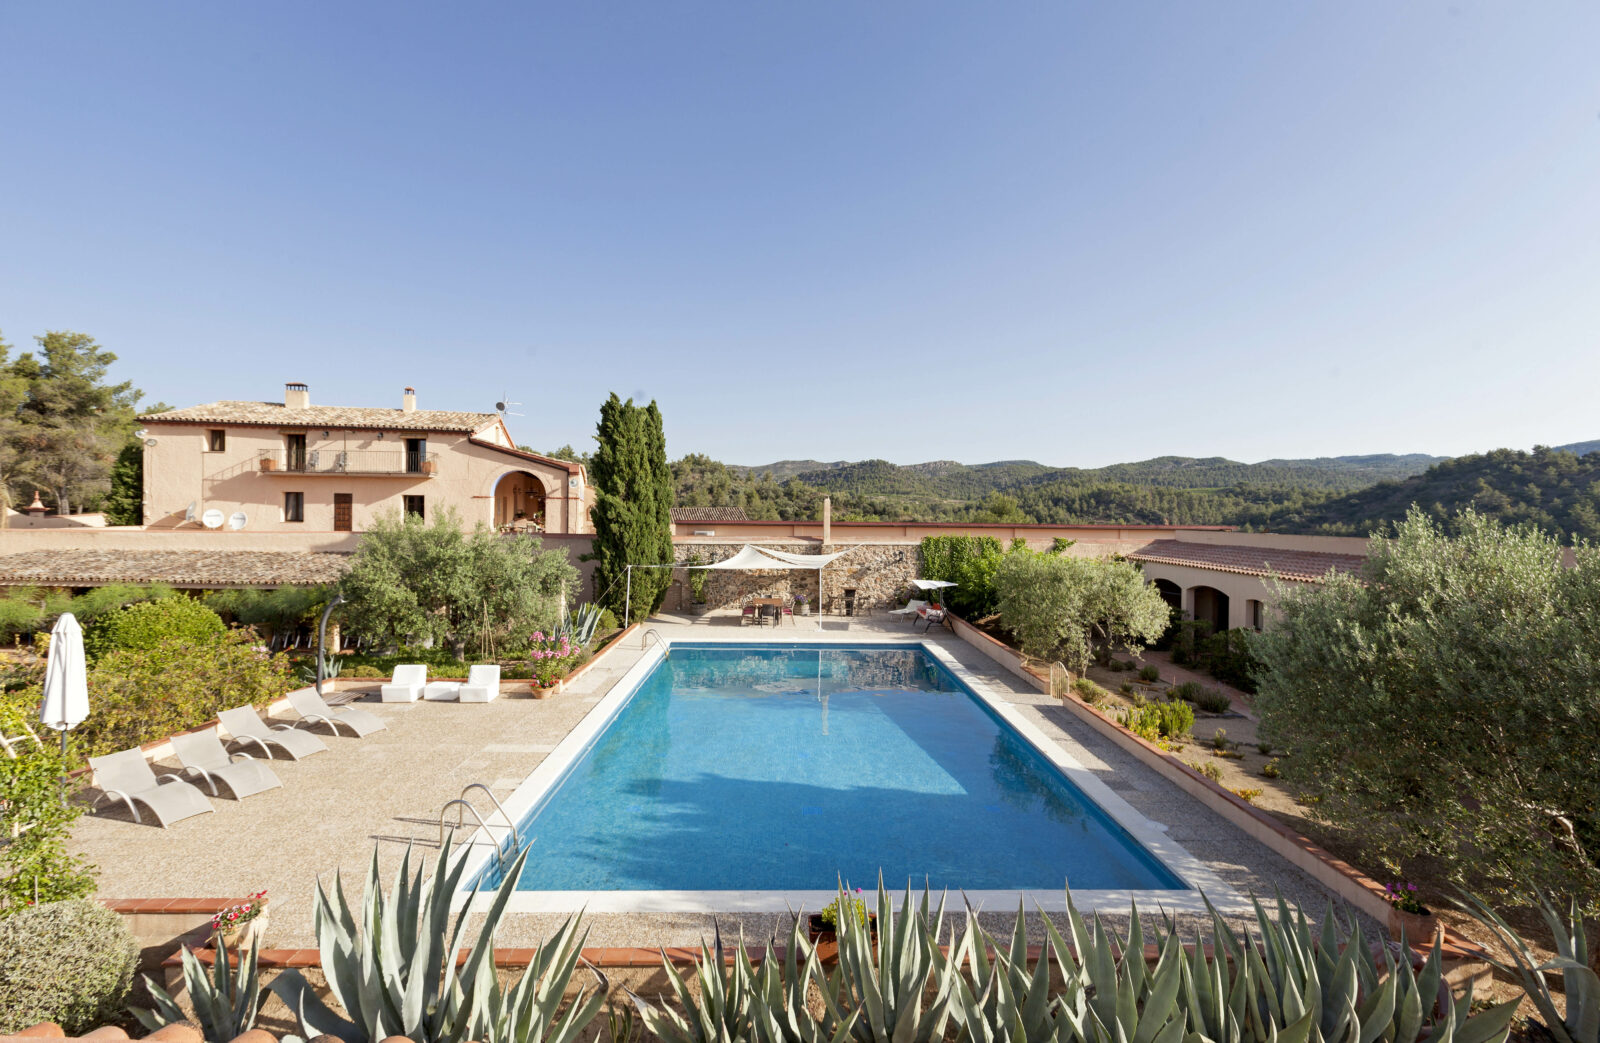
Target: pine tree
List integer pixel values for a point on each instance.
(125, 504)
(633, 507)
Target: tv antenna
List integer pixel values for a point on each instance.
(501, 406)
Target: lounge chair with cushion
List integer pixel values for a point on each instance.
(407, 685)
(247, 728)
(312, 710)
(483, 684)
(201, 754)
(910, 608)
(127, 775)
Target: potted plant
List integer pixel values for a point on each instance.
(802, 605)
(238, 926)
(550, 658)
(1408, 914)
(823, 926)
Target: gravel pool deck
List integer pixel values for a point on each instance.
(389, 787)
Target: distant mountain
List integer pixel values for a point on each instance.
(782, 470)
(1580, 448)
(1554, 489)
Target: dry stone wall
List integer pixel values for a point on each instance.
(876, 573)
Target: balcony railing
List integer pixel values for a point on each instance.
(333, 461)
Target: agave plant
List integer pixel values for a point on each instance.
(1005, 1002)
(578, 628)
(885, 988)
(1578, 979)
(720, 1010)
(780, 1005)
(391, 965)
(225, 998)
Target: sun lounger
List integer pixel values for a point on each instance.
(911, 608)
(312, 710)
(127, 776)
(201, 754)
(930, 615)
(407, 685)
(483, 684)
(247, 728)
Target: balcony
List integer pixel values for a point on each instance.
(386, 463)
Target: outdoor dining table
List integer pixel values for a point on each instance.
(776, 603)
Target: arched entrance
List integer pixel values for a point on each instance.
(1171, 593)
(1211, 606)
(519, 502)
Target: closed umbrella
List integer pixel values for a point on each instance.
(66, 684)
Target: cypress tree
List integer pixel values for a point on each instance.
(633, 506)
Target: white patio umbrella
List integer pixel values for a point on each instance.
(66, 684)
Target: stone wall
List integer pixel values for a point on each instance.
(878, 573)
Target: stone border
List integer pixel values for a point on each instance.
(1198, 879)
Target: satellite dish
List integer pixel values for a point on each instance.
(238, 520)
(188, 512)
(212, 519)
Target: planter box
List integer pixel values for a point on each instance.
(268, 464)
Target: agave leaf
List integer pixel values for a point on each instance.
(1377, 1014)
(1488, 1026)
(1161, 1004)
(315, 1018)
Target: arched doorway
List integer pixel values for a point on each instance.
(1211, 606)
(519, 502)
(1171, 593)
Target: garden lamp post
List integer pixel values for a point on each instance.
(322, 638)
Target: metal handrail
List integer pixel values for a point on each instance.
(515, 833)
(666, 649)
(460, 817)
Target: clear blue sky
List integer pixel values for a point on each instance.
(1074, 232)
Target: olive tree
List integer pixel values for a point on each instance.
(1444, 705)
(1077, 609)
(418, 582)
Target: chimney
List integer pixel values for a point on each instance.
(36, 508)
(296, 395)
(827, 523)
(408, 401)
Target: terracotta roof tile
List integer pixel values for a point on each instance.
(206, 568)
(275, 414)
(708, 514)
(1307, 566)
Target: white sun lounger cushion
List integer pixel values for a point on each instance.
(127, 776)
(202, 754)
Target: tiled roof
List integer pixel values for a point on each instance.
(276, 414)
(1308, 566)
(708, 514)
(179, 568)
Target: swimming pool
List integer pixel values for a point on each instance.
(781, 767)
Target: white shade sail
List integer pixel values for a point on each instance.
(66, 685)
(931, 584)
(765, 558)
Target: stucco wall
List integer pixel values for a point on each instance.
(1241, 589)
(180, 470)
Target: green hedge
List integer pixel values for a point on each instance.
(68, 962)
(146, 625)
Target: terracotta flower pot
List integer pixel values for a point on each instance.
(1419, 928)
(240, 938)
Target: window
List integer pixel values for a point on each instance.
(294, 507)
(1254, 609)
(294, 449)
(414, 505)
(416, 456)
(217, 440)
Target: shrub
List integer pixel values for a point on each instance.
(1088, 691)
(1219, 738)
(1125, 688)
(35, 864)
(68, 962)
(1442, 704)
(1149, 673)
(146, 624)
(1210, 700)
(147, 693)
(1269, 770)
(608, 621)
(1264, 748)
(1157, 721)
(1209, 769)
(970, 562)
(1226, 656)
(1188, 690)
(1076, 608)
(1247, 795)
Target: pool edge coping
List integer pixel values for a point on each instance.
(1204, 885)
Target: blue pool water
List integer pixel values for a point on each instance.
(784, 767)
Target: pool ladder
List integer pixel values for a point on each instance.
(463, 805)
(666, 649)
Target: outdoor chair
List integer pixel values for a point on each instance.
(313, 710)
(748, 613)
(910, 608)
(483, 684)
(246, 727)
(786, 610)
(127, 776)
(769, 612)
(930, 615)
(407, 685)
(202, 754)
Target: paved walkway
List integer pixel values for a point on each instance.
(387, 790)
